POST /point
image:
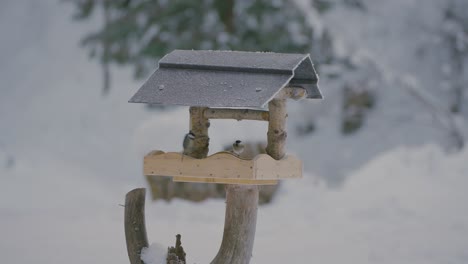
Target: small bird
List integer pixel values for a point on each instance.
(188, 143)
(237, 147)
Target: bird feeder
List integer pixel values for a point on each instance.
(229, 85)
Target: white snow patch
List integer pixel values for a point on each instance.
(405, 206)
(154, 254)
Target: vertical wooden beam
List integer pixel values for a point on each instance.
(239, 225)
(199, 126)
(242, 200)
(277, 128)
(135, 228)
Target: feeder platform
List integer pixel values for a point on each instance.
(222, 167)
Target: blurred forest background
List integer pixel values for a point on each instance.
(384, 153)
(431, 75)
(139, 32)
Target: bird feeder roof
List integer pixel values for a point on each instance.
(226, 78)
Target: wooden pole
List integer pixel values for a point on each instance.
(295, 93)
(237, 114)
(199, 126)
(135, 229)
(277, 128)
(239, 225)
(241, 200)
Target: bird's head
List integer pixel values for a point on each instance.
(191, 135)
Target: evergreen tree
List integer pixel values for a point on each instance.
(139, 32)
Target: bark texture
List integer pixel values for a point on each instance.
(240, 222)
(277, 128)
(242, 200)
(237, 114)
(199, 126)
(295, 93)
(239, 226)
(135, 228)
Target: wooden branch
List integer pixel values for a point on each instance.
(199, 126)
(237, 114)
(277, 128)
(295, 93)
(239, 226)
(135, 228)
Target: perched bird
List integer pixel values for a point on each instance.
(237, 147)
(188, 143)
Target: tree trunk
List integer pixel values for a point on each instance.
(239, 225)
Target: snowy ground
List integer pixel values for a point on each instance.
(68, 156)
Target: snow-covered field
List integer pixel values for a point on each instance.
(68, 156)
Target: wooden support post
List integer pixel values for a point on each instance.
(241, 200)
(199, 126)
(295, 93)
(237, 114)
(135, 229)
(277, 128)
(239, 225)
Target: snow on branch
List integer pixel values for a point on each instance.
(449, 121)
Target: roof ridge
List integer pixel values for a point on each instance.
(213, 67)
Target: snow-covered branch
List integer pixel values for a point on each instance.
(449, 121)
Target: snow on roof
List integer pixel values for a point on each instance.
(226, 78)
